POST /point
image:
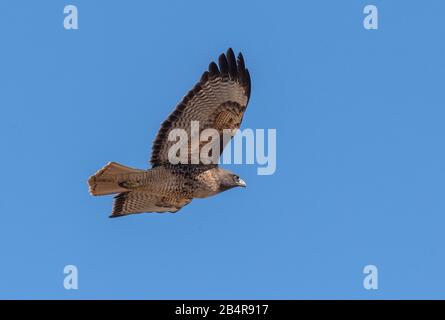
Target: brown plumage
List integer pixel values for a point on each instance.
(217, 101)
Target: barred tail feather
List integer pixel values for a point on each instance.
(106, 181)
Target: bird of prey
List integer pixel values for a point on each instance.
(217, 101)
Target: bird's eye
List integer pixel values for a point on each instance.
(236, 178)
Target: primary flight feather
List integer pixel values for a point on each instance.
(218, 102)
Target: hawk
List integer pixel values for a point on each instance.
(218, 101)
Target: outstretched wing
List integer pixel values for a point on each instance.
(217, 101)
(138, 202)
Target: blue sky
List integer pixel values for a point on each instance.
(360, 158)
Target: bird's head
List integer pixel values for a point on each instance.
(229, 180)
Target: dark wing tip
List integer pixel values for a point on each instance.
(247, 84)
(118, 205)
(233, 68)
(243, 75)
(223, 65)
(213, 69)
(240, 62)
(205, 77)
(230, 66)
(117, 216)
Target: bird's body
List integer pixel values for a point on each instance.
(185, 181)
(217, 102)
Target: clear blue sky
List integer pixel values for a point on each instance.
(360, 158)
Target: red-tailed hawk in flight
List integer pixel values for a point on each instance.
(218, 102)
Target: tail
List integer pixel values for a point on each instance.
(106, 180)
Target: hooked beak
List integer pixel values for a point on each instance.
(242, 183)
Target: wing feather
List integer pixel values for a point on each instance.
(217, 101)
(132, 202)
